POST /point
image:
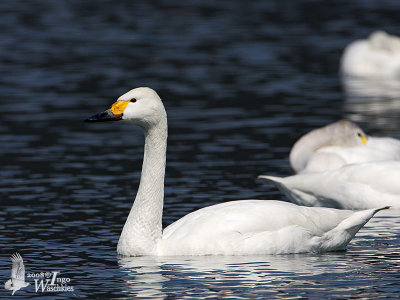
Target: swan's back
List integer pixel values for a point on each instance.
(377, 149)
(353, 186)
(377, 56)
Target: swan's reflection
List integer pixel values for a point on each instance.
(153, 276)
(145, 277)
(374, 101)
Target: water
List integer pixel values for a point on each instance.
(240, 82)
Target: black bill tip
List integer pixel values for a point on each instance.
(104, 116)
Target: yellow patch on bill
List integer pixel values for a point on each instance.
(364, 139)
(118, 107)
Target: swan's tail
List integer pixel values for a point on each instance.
(293, 195)
(338, 238)
(275, 180)
(279, 183)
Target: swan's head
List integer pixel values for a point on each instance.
(341, 134)
(346, 134)
(141, 106)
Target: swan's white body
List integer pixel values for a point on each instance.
(338, 144)
(377, 56)
(233, 228)
(355, 186)
(375, 150)
(248, 227)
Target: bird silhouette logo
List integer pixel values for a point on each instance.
(17, 280)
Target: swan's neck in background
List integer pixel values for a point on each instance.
(306, 146)
(143, 228)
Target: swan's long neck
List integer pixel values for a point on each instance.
(143, 228)
(305, 147)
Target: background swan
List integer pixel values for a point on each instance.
(377, 56)
(232, 228)
(337, 144)
(354, 186)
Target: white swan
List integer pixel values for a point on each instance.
(354, 186)
(307, 153)
(232, 228)
(377, 56)
(337, 144)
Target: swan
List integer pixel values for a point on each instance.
(243, 227)
(377, 56)
(337, 144)
(353, 186)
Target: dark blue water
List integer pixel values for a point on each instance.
(241, 81)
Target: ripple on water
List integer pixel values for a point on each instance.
(241, 82)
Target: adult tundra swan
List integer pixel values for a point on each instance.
(233, 228)
(337, 144)
(377, 56)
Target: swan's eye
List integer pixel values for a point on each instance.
(359, 134)
(133, 100)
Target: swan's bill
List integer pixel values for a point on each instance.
(115, 113)
(363, 138)
(118, 107)
(104, 116)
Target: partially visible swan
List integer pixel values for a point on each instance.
(306, 155)
(377, 56)
(233, 228)
(337, 144)
(354, 186)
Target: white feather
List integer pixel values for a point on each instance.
(354, 186)
(375, 57)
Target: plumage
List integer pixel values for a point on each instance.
(233, 228)
(354, 186)
(378, 56)
(340, 143)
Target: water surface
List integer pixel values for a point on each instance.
(240, 82)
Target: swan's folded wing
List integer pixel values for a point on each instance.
(377, 149)
(247, 216)
(381, 176)
(249, 227)
(354, 186)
